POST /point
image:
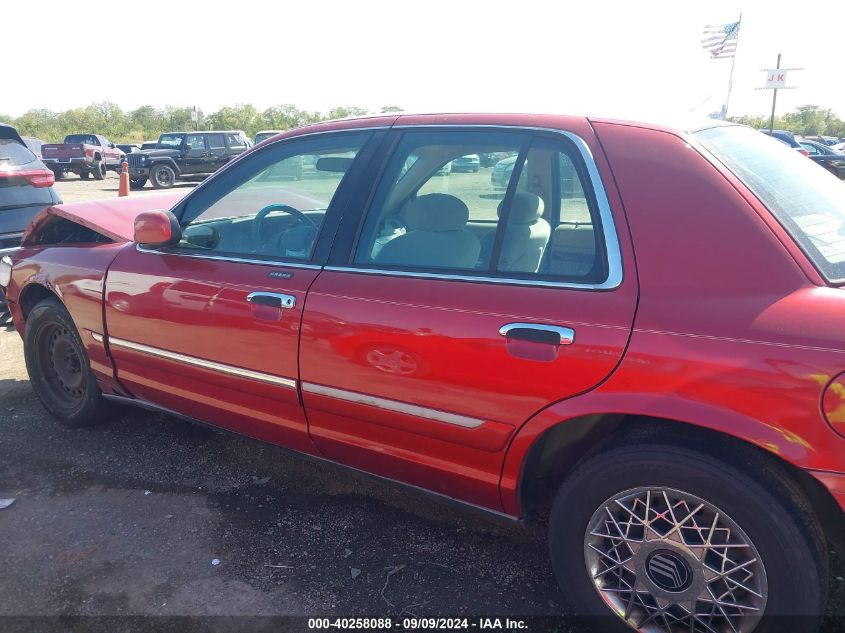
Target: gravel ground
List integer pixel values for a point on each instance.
(127, 519)
(72, 188)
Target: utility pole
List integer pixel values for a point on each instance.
(774, 102)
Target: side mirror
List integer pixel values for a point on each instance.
(156, 228)
(111, 145)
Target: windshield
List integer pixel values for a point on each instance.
(86, 139)
(167, 141)
(805, 198)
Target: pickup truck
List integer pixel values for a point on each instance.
(82, 154)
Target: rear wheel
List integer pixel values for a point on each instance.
(58, 366)
(670, 539)
(99, 170)
(84, 173)
(162, 176)
(58, 173)
(137, 183)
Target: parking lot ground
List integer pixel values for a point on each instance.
(72, 188)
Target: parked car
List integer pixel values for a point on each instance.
(129, 148)
(184, 154)
(831, 159)
(82, 154)
(263, 135)
(149, 145)
(34, 145)
(654, 358)
(469, 163)
(501, 174)
(787, 138)
(26, 187)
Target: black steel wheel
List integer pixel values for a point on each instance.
(58, 366)
(137, 183)
(163, 177)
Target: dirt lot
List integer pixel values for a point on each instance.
(72, 188)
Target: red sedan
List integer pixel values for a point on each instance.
(640, 332)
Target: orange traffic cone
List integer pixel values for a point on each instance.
(123, 189)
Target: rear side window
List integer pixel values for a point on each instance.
(808, 201)
(13, 153)
(523, 214)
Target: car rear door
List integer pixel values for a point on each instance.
(430, 338)
(210, 327)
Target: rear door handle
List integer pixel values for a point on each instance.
(538, 333)
(272, 299)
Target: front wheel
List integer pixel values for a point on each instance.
(58, 366)
(137, 183)
(99, 171)
(669, 539)
(163, 177)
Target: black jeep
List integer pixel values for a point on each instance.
(184, 155)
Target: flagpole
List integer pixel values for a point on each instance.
(733, 63)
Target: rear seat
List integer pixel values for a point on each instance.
(573, 250)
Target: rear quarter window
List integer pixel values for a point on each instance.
(807, 200)
(13, 154)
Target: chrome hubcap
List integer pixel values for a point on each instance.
(667, 561)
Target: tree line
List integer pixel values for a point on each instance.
(147, 122)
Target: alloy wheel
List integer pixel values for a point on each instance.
(667, 561)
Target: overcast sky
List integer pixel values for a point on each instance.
(638, 59)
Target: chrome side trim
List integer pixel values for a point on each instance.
(501, 517)
(238, 260)
(204, 364)
(97, 337)
(393, 405)
(567, 334)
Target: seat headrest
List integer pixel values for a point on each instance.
(526, 208)
(436, 212)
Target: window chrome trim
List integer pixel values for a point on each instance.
(229, 370)
(615, 273)
(393, 405)
(237, 260)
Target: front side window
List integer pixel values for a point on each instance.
(272, 205)
(809, 202)
(196, 141)
(236, 141)
(526, 210)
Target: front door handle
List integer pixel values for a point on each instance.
(272, 299)
(538, 333)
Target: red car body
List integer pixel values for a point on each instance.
(719, 321)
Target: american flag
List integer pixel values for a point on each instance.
(720, 40)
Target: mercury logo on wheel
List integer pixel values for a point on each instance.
(668, 571)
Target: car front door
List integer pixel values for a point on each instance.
(210, 327)
(456, 309)
(196, 155)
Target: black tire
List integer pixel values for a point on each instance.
(58, 173)
(84, 173)
(58, 366)
(768, 508)
(137, 183)
(99, 171)
(162, 177)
